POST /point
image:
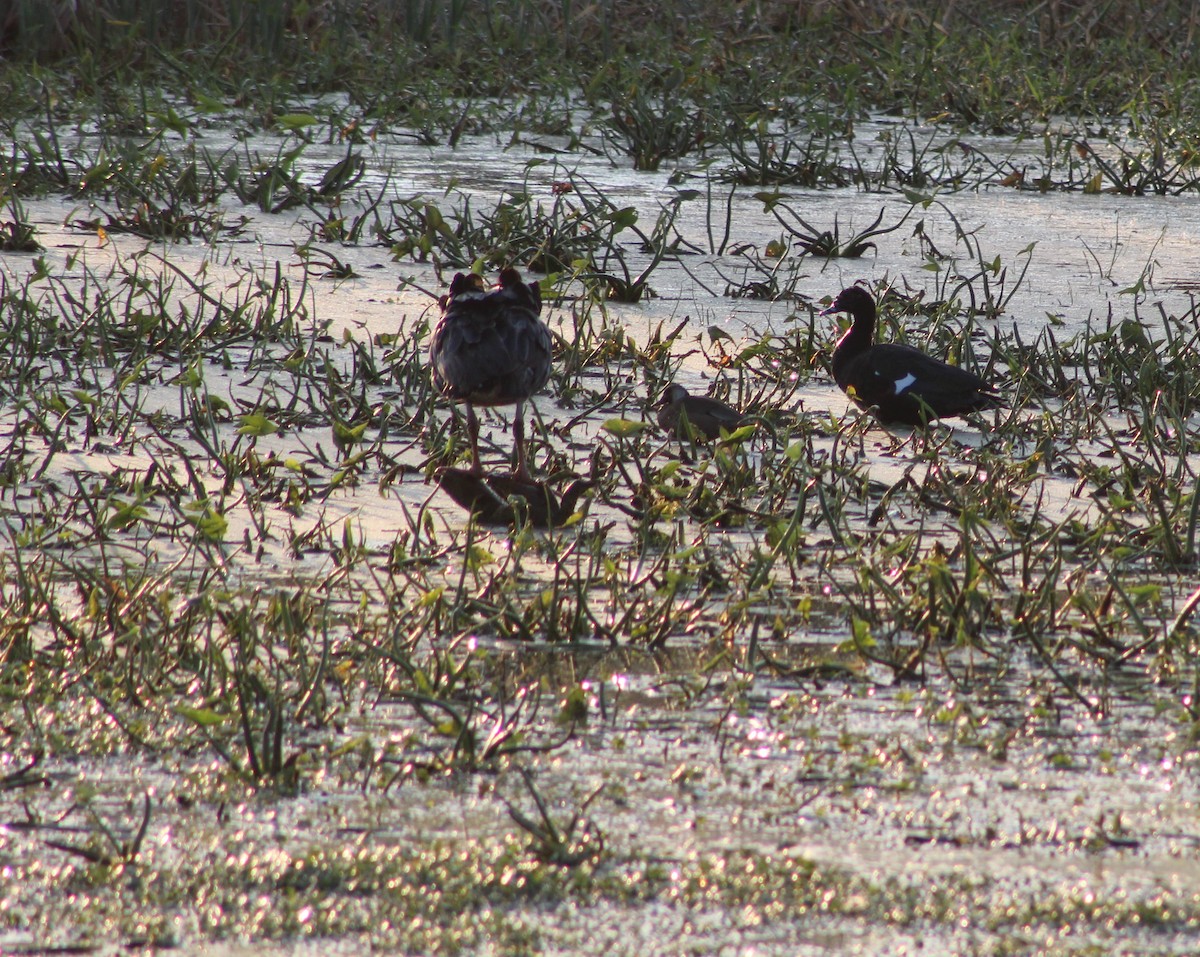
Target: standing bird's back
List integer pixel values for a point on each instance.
(490, 347)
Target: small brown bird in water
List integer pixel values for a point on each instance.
(491, 348)
(706, 416)
(509, 500)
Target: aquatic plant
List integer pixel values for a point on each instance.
(654, 121)
(825, 242)
(258, 680)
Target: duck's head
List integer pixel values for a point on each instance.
(463, 284)
(672, 394)
(854, 300)
(510, 281)
(509, 278)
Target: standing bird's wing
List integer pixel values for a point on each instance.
(491, 347)
(905, 385)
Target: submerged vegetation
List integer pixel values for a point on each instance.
(258, 681)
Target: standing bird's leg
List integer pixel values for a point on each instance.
(473, 432)
(519, 441)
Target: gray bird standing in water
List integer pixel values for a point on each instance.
(491, 348)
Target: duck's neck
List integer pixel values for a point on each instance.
(855, 341)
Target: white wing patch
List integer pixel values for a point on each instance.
(902, 384)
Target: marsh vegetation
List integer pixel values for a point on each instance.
(813, 685)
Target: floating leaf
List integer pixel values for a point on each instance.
(296, 121)
(132, 377)
(172, 121)
(861, 631)
(208, 104)
(769, 199)
(217, 407)
(1141, 594)
(624, 428)
(203, 717)
(669, 469)
(208, 521)
(346, 435)
(431, 597)
(741, 433)
(125, 515)
(477, 556)
(349, 747)
(257, 424)
(574, 707)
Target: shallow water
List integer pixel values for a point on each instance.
(963, 780)
(1087, 250)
